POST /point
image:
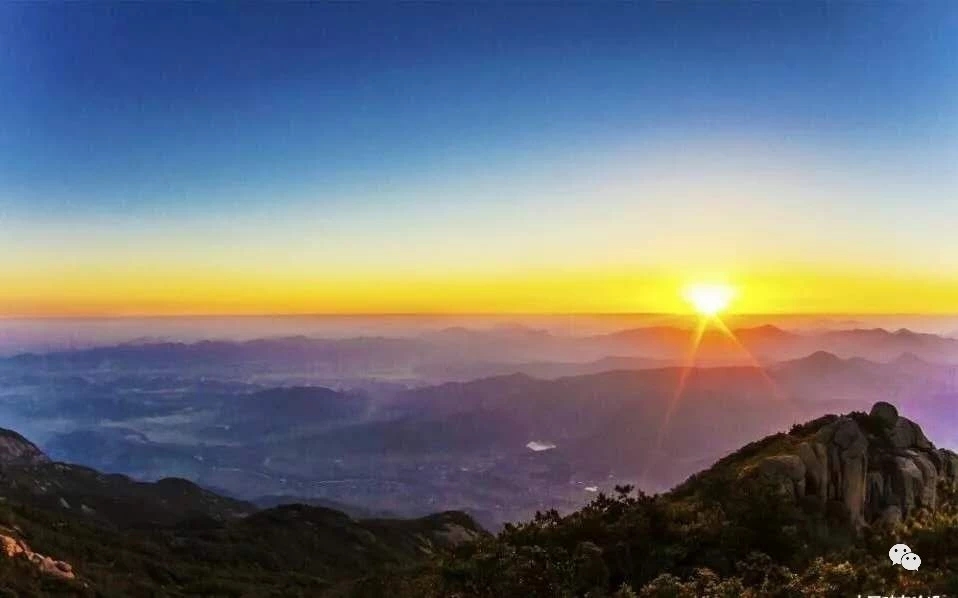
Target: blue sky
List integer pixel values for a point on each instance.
(167, 122)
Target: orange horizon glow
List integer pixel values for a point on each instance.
(155, 292)
(564, 242)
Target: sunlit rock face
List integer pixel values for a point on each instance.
(13, 547)
(880, 468)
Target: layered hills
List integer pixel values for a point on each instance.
(808, 512)
(70, 530)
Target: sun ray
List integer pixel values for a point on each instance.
(708, 301)
(686, 369)
(753, 362)
(684, 374)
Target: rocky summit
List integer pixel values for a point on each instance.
(878, 467)
(17, 450)
(810, 512)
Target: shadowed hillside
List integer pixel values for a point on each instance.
(67, 530)
(810, 512)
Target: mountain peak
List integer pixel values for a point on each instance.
(879, 466)
(823, 357)
(765, 330)
(816, 361)
(17, 450)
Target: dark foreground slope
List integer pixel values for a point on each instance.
(68, 530)
(810, 513)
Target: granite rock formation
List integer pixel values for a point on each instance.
(879, 468)
(13, 547)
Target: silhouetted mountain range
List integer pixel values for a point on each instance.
(464, 353)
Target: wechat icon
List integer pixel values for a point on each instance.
(901, 554)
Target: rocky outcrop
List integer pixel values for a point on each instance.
(12, 547)
(787, 471)
(880, 468)
(17, 450)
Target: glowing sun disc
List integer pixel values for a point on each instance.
(709, 299)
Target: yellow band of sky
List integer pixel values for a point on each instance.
(172, 292)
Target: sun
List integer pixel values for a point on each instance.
(709, 299)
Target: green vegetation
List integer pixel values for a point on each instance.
(721, 534)
(292, 550)
(739, 543)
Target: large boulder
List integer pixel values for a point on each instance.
(786, 472)
(907, 434)
(846, 450)
(949, 466)
(13, 547)
(884, 413)
(881, 468)
(815, 458)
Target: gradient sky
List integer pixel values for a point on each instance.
(293, 158)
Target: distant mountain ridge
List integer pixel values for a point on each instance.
(368, 451)
(440, 352)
